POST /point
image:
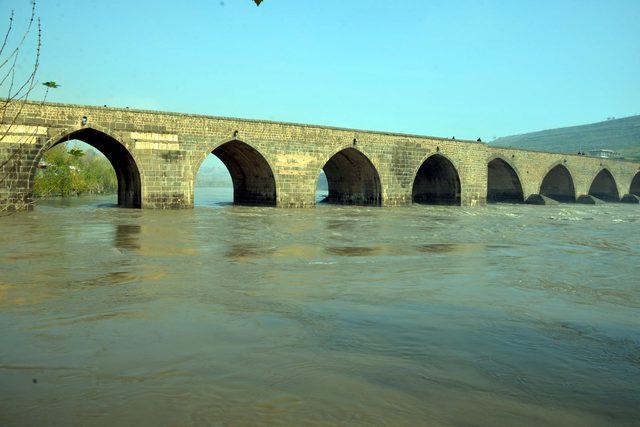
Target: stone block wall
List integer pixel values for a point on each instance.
(168, 148)
(532, 166)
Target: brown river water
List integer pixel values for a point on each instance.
(225, 315)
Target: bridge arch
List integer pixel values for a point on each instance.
(558, 184)
(604, 187)
(503, 182)
(121, 159)
(251, 173)
(436, 182)
(634, 188)
(352, 178)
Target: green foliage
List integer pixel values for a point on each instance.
(51, 85)
(74, 172)
(76, 153)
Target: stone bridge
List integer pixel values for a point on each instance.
(156, 156)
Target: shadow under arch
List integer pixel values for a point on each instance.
(123, 163)
(604, 187)
(634, 188)
(251, 174)
(352, 179)
(558, 185)
(503, 183)
(436, 182)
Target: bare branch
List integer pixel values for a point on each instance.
(18, 89)
(6, 35)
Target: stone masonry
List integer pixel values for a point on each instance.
(156, 156)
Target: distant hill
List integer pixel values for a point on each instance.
(621, 135)
(213, 175)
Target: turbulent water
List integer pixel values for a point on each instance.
(498, 315)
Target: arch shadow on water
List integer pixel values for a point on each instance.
(352, 179)
(503, 184)
(123, 163)
(437, 182)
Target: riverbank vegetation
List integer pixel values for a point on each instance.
(69, 171)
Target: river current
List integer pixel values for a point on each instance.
(228, 315)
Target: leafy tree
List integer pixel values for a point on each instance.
(73, 171)
(76, 153)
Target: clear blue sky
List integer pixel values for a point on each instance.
(464, 68)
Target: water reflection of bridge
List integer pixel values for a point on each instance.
(156, 157)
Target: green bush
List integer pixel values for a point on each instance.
(74, 172)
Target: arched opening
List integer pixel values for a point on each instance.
(129, 188)
(249, 181)
(322, 187)
(604, 187)
(558, 185)
(635, 185)
(349, 178)
(503, 184)
(437, 182)
(213, 184)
